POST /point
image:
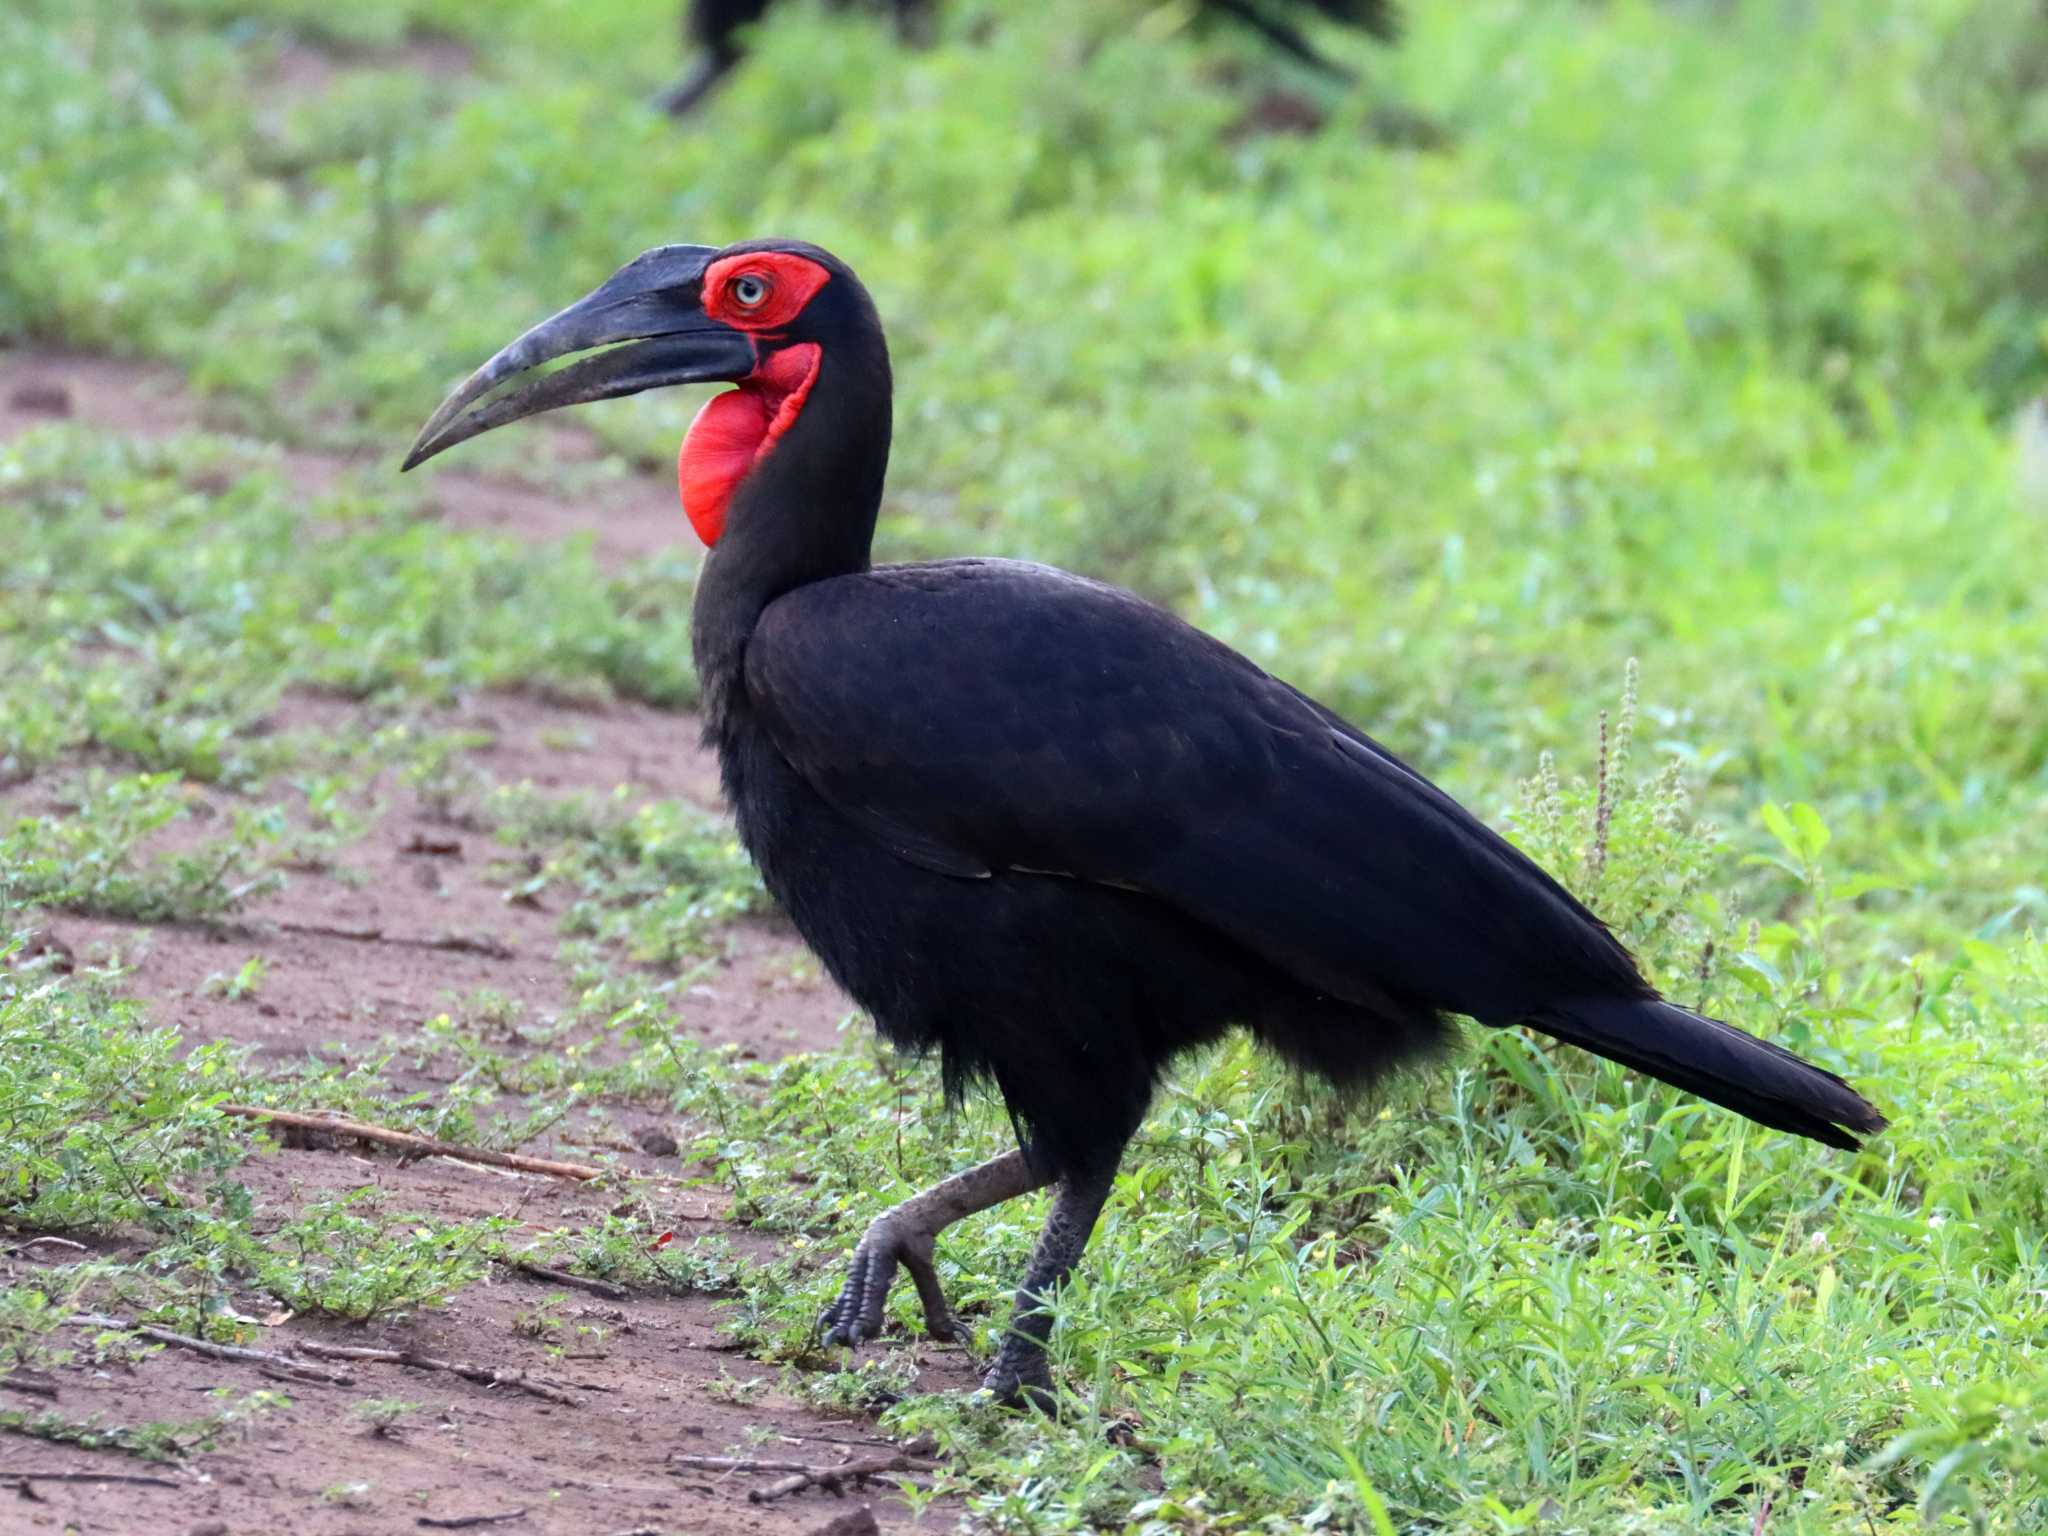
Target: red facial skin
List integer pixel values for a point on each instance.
(736, 430)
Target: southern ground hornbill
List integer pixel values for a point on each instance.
(1043, 826)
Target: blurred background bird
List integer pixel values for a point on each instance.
(715, 32)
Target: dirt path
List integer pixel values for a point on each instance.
(406, 922)
(640, 1391)
(635, 516)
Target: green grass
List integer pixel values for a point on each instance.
(1698, 345)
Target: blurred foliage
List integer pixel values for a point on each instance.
(162, 596)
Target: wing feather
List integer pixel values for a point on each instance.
(982, 715)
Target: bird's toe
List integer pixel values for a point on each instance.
(856, 1315)
(845, 1322)
(1021, 1386)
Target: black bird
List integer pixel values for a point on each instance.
(715, 30)
(1038, 824)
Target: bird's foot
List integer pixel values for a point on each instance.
(889, 1241)
(1021, 1380)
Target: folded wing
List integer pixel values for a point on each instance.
(983, 716)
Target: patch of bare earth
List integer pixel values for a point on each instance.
(299, 69)
(116, 395)
(407, 922)
(632, 1379)
(412, 919)
(631, 518)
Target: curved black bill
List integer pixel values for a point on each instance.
(649, 317)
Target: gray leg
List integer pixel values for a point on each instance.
(903, 1235)
(1020, 1373)
(681, 98)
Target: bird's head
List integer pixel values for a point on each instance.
(764, 314)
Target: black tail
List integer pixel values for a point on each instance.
(1716, 1061)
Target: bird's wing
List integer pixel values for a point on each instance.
(987, 716)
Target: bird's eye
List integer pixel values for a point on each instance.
(749, 291)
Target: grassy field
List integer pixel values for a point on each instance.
(1637, 456)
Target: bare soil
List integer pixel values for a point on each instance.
(656, 1381)
(406, 923)
(632, 517)
(299, 70)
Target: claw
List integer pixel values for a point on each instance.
(1022, 1384)
(856, 1314)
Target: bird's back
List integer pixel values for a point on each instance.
(994, 715)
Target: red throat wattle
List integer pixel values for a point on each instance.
(736, 430)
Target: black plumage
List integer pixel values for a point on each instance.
(715, 33)
(1049, 830)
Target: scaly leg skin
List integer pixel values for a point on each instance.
(1020, 1374)
(903, 1235)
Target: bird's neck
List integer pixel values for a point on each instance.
(805, 513)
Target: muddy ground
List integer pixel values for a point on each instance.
(353, 957)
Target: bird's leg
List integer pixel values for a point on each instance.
(691, 87)
(914, 23)
(1020, 1373)
(903, 1235)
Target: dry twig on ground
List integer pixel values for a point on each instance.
(483, 1375)
(268, 1360)
(602, 1288)
(421, 1146)
(20, 1476)
(467, 1522)
(458, 943)
(802, 1475)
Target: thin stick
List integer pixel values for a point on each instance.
(834, 1479)
(734, 1463)
(602, 1288)
(483, 1375)
(298, 1370)
(802, 1475)
(494, 949)
(464, 1522)
(870, 1441)
(422, 1146)
(13, 1475)
(34, 1386)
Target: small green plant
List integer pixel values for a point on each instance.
(636, 1249)
(739, 1391)
(1631, 849)
(242, 985)
(654, 880)
(103, 1119)
(1972, 1439)
(333, 1258)
(542, 1321)
(348, 1495)
(163, 1440)
(91, 858)
(384, 1417)
(867, 1386)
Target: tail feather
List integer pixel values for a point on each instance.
(1718, 1062)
